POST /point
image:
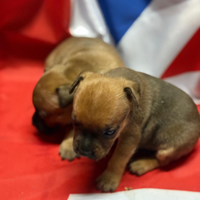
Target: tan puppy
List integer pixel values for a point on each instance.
(51, 97)
(142, 111)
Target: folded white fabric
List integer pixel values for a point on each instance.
(140, 194)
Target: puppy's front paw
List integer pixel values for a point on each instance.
(108, 181)
(67, 150)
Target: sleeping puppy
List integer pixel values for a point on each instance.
(141, 111)
(51, 98)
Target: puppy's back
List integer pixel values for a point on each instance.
(161, 98)
(75, 45)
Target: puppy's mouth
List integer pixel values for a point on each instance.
(88, 154)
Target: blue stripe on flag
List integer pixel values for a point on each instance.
(120, 14)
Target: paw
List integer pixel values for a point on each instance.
(108, 181)
(67, 150)
(140, 167)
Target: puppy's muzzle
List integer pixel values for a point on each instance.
(84, 151)
(41, 126)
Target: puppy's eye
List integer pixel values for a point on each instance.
(109, 132)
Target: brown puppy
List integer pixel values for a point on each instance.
(142, 111)
(51, 97)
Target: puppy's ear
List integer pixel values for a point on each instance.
(63, 95)
(82, 76)
(132, 91)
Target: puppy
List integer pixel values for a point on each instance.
(51, 98)
(142, 111)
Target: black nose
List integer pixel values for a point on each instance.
(87, 153)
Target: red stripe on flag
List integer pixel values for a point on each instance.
(187, 60)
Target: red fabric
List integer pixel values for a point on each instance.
(30, 168)
(30, 29)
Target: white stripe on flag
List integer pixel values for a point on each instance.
(159, 34)
(86, 20)
(187, 82)
(140, 194)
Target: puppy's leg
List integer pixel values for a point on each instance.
(180, 141)
(143, 165)
(66, 147)
(127, 144)
(163, 157)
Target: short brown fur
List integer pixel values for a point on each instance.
(51, 97)
(149, 114)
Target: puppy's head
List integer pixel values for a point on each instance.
(52, 102)
(101, 109)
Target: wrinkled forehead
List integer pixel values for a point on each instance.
(99, 103)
